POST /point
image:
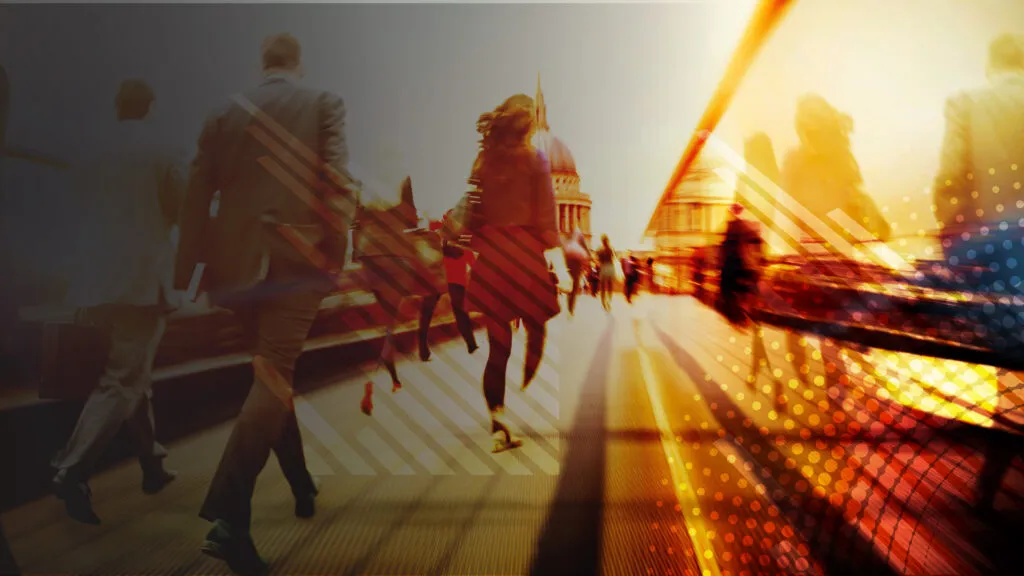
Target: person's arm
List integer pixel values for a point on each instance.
(340, 193)
(195, 208)
(951, 185)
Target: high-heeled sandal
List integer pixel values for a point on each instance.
(367, 404)
(507, 443)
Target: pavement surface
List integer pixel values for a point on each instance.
(646, 451)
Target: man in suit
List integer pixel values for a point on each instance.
(8, 306)
(277, 155)
(982, 159)
(978, 206)
(7, 564)
(133, 185)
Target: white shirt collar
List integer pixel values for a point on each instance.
(282, 75)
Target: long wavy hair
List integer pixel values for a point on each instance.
(505, 130)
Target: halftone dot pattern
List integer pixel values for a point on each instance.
(856, 446)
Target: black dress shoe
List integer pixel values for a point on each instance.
(156, 480)
(305, 504)
(239, 552)
(77, 498)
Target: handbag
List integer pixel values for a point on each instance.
(74, 358)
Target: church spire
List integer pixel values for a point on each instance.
(542, 109)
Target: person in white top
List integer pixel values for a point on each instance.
(135, 186)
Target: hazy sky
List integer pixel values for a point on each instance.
(624, 83)
(891, 66)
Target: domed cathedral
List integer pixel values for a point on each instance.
(573, 205)
(690, 221)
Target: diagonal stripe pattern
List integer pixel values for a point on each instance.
(423, 429)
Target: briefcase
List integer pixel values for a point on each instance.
(74, 357)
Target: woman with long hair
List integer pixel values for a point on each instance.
(606, 273)
(515, 225)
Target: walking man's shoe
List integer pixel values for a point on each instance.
(305, 504)
(76, 496)
(153, 481)
(237, 551)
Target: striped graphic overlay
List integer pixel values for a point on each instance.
(437, 424)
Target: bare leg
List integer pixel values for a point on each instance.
(387, 354)
(499, 336)
(536, 336)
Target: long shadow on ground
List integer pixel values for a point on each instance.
(821, 524)
(572, 537)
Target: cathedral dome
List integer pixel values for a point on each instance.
(556, 151)
(572, 204)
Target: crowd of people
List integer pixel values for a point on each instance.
(276, 157)
(273, 160)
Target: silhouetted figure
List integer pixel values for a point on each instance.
(823, 175)
(258, 267)
(594, 278)
(9, 296)
(652, 284)
(134, 184)
(7, 564)
(630, 277)
(516, 225)
(606, 271)
(741, 258)
(977, 192)
(739, 271)
(577, 262)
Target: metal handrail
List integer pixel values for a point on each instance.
(36, 157)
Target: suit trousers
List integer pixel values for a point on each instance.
(7, 564)
(124, 393)
(279, 317)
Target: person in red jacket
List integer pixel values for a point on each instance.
(457, 262)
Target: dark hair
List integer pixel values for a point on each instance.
(452, 251)
(134, 98)
(281, 51)
(508, 124)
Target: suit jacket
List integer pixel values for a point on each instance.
(131, 186)
(277, 155)
(5, 104)
(982, 153)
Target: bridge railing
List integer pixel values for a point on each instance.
(39, 231)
